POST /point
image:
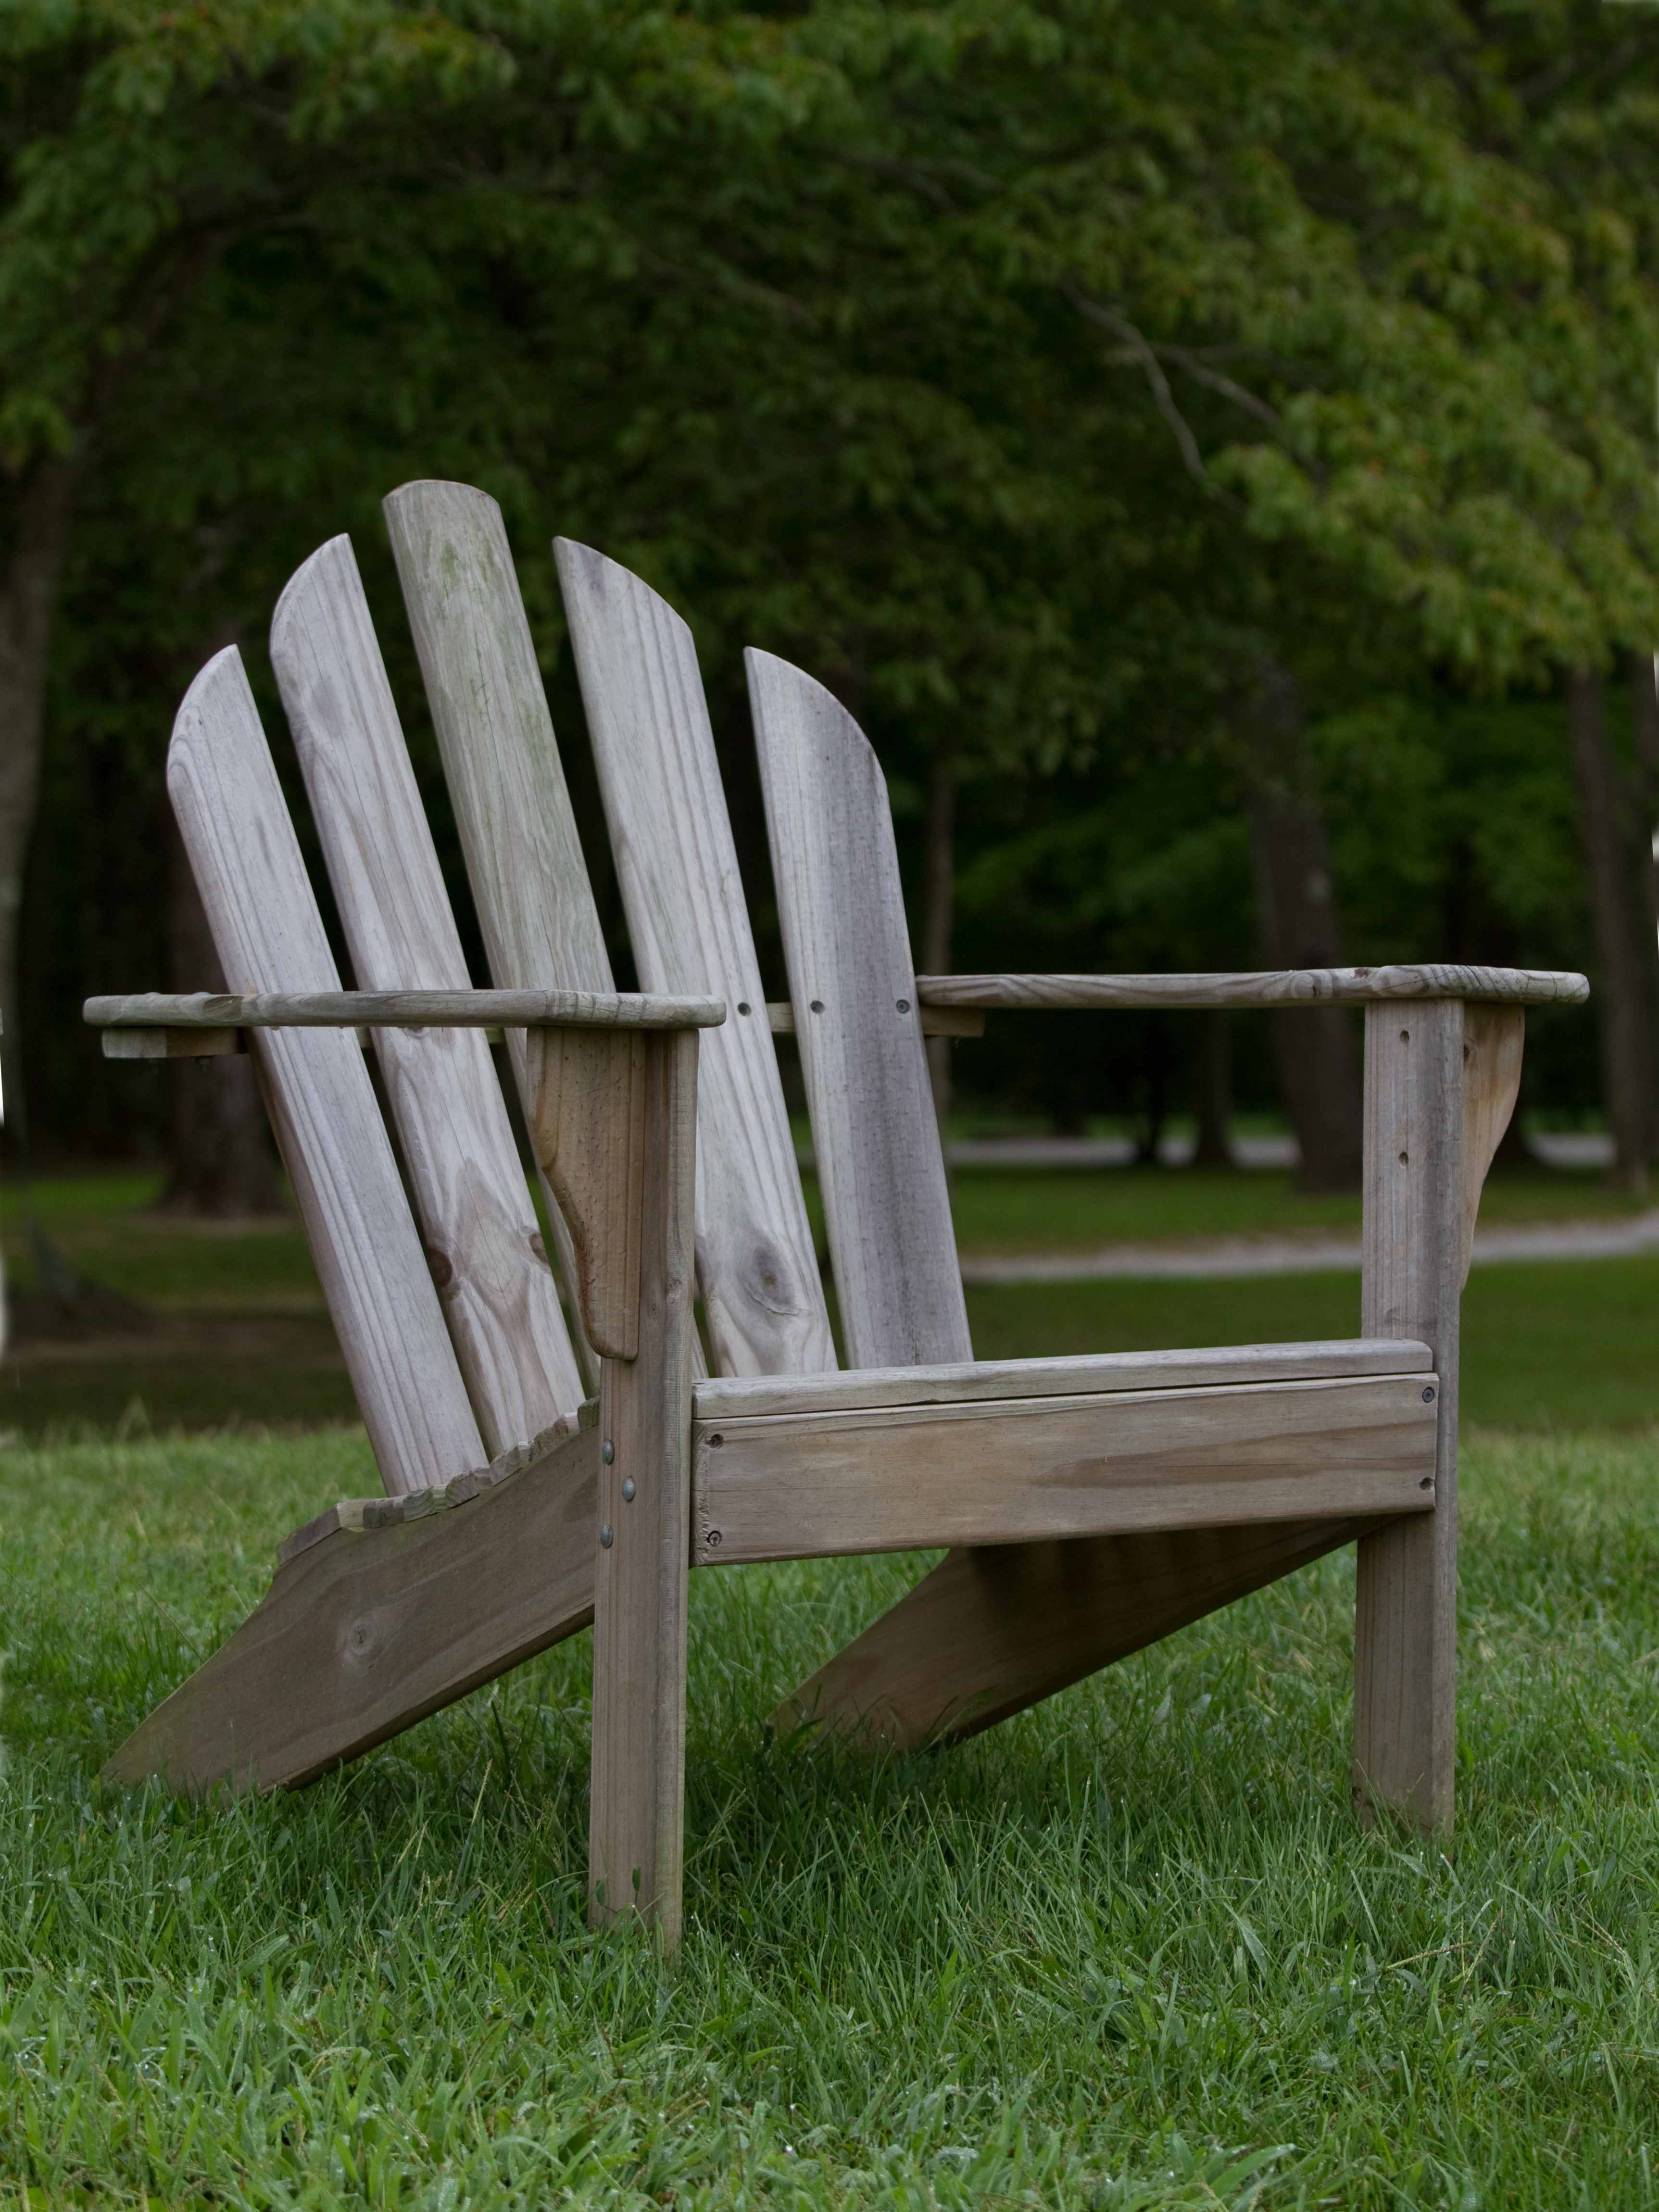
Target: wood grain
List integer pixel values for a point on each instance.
(842, 911)
(1406, 1616)
(483, 1244)
(1347, 987)
(463, 1009)
(1071, 1375)
(269, 938)
(1494, 1042)
(636, 1835)
(586, 1122)
(689, 927)
(1001, 1471)
(997, 1628)
(523, 860)
(366, 1632)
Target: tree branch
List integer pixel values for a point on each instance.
(1147, 354)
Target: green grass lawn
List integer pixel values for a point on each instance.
(1562, 1343)
(1129, 1950)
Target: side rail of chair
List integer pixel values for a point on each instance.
(612, 1116)
(1443, 1068)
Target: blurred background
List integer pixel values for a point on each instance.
(1213, 454)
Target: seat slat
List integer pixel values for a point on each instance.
(689, 926)
(874, 1135)
(524, 859)
(1060, 1377)
(270, 937)
(481, 1238)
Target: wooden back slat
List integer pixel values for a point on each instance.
(689, 926)
(524, 859)
(854, 992)
(483, 1243)
(270, 937)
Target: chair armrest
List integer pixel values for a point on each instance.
(153, 1025)
(1290, 987)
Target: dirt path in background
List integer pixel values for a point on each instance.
(1317, 1252)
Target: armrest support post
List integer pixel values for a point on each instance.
(614, 1124)
(1404, 1629)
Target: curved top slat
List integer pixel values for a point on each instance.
(524, 859)
(270, 937)
(689, 926)
(483, 1242)
(844, 937)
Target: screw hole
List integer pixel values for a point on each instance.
(1405, 1159)
(1427, 1483)
(743, 1005)
(717, 1438)
(712, 1539)
(817, 1006)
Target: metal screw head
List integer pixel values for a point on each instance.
(1428, 1395)
(712, 1539)
(607, 1451)
(605, 1538)
(628, 1492)
(904, 1005)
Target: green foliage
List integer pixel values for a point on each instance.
(1128, 1951)
(1025, 371)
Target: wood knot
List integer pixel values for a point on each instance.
(538, 1245)
(442, 1266)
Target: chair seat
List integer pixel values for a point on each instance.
(1020, 1451)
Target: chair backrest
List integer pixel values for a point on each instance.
(482, 1244)
(842, 909)
(671, 836)
(851, 983)
(269, 936)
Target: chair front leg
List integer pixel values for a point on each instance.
(1441, 1081)
(616, 1133)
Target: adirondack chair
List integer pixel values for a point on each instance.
(540, 1476)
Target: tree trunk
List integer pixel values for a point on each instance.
(1314, 1048)
(1619, 871)
(42, 507)
(939, 901)
(1643, 676)
(1213, 1090)
(223, 1165)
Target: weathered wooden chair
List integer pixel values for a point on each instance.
(1088, 1505)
